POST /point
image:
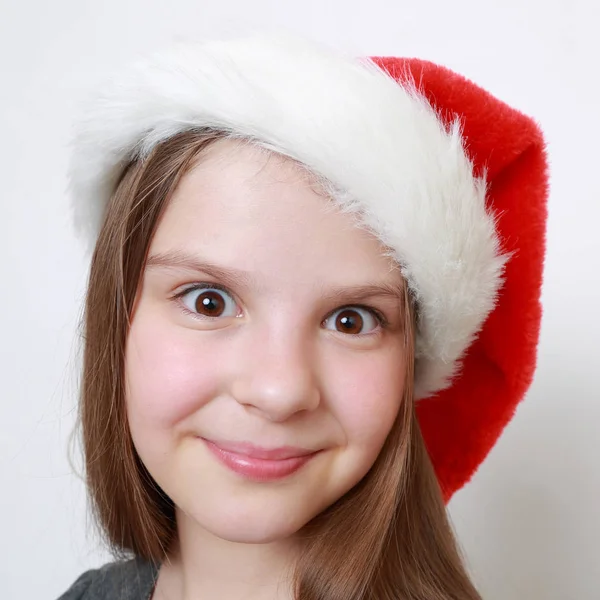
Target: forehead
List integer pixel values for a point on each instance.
(244, 206)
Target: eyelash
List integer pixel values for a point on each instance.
(379, 317)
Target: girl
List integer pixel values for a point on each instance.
(313, 306)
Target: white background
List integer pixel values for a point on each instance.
(530, 520)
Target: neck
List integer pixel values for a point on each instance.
(202, 565)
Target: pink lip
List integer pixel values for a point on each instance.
(260, 464)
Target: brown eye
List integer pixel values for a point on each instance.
(354, 321)
(209, 302)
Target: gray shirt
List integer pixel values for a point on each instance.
(132, 579)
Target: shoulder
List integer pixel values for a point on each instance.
(123, 580)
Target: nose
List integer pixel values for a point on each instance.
(276, 377)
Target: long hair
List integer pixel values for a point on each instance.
(387, 538)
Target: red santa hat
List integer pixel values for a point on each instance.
(450, 179)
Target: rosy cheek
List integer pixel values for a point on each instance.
(369, 402)
(171, 373)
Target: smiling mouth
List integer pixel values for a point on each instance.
(257, 463)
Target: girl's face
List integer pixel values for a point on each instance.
(256, 338)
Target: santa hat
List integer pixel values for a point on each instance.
(449, 178)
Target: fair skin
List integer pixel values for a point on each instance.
(274, 359)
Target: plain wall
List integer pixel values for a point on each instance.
(529, 521)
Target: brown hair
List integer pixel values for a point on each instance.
(388, 537)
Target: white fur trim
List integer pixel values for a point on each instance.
(378, 142)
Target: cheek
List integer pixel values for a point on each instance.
(367, 403)
(168, 375)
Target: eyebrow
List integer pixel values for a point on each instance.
(178, 260)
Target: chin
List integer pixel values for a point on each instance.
(245, 529)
